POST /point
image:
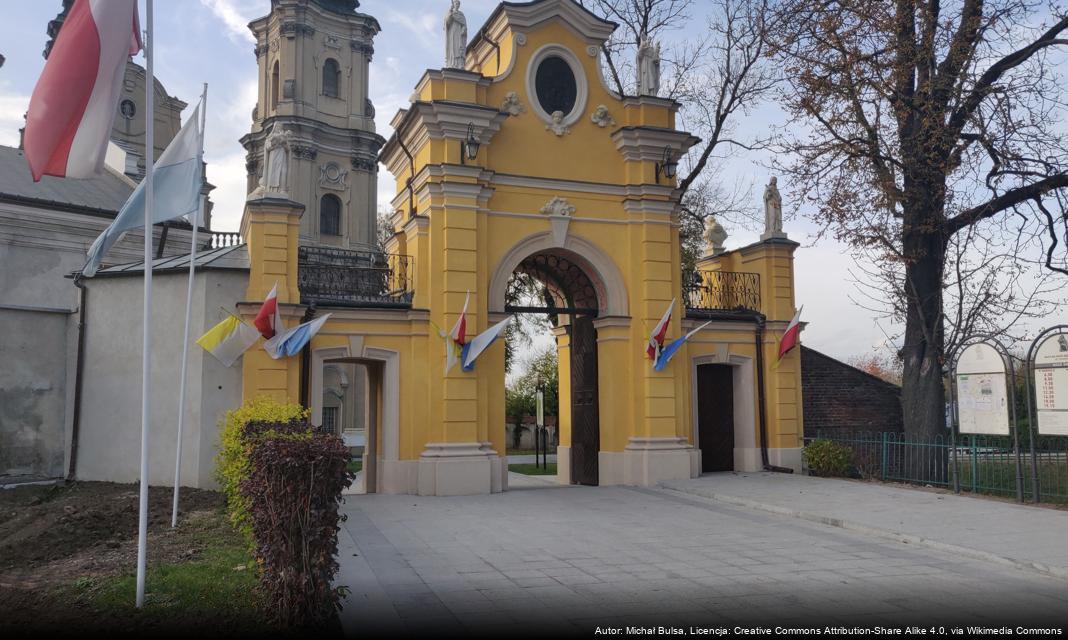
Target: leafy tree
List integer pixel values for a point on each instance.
(543, 370)
(928, 135)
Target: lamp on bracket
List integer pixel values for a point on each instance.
(469, 147)
(667, 167)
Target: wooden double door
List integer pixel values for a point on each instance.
(715, 417)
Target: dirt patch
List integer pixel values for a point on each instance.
(53, 535)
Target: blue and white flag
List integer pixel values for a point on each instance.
(667, 352)
(472, 350)
(177, 184)
(290, 343)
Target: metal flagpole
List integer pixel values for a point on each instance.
(146, 347)
(188, 313)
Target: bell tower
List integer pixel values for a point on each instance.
(313, 58)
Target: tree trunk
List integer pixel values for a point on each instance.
(923, 397)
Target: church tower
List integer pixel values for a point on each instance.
(313, 58)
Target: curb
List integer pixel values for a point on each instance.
(888, 534)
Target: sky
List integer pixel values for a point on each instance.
(201, 41)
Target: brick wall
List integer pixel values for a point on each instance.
(840, 397)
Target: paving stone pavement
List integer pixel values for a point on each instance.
(1029, 536)
(564, 560)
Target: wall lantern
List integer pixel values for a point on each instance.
(667, 167)
(469, 147)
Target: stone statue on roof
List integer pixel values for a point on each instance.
(455, 37)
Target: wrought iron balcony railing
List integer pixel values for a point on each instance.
(717, 291)
(347, 278)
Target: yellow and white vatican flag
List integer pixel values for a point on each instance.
(229, 339)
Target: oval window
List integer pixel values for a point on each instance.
(555, 85)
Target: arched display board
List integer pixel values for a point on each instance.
(983, 392)
(1049, 366)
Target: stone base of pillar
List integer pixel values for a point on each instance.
(563, 465)
(650, 461)
(460, 469)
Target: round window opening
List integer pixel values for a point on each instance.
(555, 85)
(127, 108)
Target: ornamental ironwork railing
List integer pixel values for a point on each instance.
(347, 278)
(711, 291)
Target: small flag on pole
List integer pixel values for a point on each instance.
(72, 108)
(668, 352)
(228, 340)
(481, 342)
(656, 338)
(292, 341)
(176, 192)
(792, 337)
(269, 319)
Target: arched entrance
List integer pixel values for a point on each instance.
(569, 296)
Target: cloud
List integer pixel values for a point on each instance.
(12, 108)
(235, 16)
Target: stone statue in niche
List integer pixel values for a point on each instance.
(455, 37)
(602, 118)
(648, 64)
(557, 126)
(276, 151)
(511, 105)
(772, 211)
(715, 236)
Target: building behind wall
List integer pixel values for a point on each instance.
(332, 153)
(839, 398)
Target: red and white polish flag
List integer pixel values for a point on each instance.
(792, 337)
(72, 108)
(656, 338)
(269, 320)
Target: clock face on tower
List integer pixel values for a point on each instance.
(555, 85)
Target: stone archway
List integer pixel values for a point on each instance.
(600, 269)
(576, 293)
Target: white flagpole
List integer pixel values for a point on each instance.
(146, 348)
(188, 314)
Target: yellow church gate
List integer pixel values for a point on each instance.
(525, 161)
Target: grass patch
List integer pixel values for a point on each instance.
(217, 585)
(531, 470)
(520, 452)
(355, 465)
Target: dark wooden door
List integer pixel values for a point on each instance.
(715, 417)
(585, 425)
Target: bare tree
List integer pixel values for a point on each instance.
(924, 130)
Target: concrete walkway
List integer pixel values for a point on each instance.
(559, 561)
(1028, 537)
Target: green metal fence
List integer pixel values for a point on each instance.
(971, 463)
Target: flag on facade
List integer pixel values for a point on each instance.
(228, 340)
(792, 337)
(292, 341)
(669, 351)
(72, 107)
(656, 338)
(457, 338)
(178, 182)
(269, 319)
(472, 350)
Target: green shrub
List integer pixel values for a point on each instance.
(257, 419)
(294, 491)
(828, 458)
